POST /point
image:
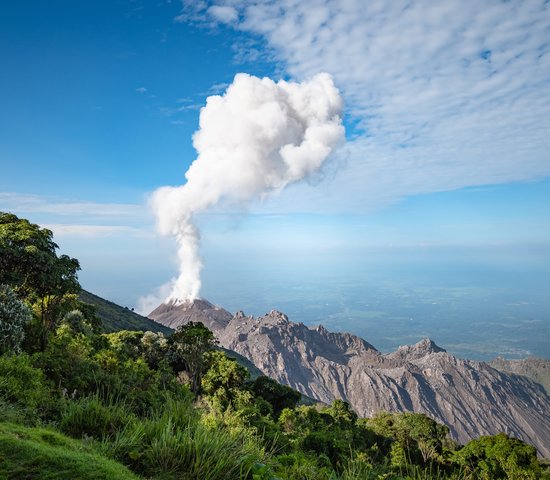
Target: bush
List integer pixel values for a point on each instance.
(172, 443)
(499, 457)
(14, 315)
(91, 417)
(25, 388)
(302, 466)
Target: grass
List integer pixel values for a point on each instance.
(172, 444)
(115, 317)
(43, 454)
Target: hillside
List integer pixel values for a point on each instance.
(44, 454)
(114, 317)
(471, 398)
(537, 369)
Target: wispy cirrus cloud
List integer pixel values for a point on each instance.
(439, 95)
(95, 231)
(25, 203)
(68, 218)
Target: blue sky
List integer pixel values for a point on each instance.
(447, 129)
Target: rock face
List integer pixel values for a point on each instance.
(175, 314)
(537, 369)
(471, 398)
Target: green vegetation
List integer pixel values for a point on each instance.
(76, 402)
(114, 318)
(44, 454)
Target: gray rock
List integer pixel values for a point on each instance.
(471, 398)
(174, 315)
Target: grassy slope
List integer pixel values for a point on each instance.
(115, 317)
(43, 454)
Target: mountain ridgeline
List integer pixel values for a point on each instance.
(114, 317)
(471, 398)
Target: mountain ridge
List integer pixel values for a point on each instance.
(470, 397)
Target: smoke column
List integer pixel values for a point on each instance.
(254, 140)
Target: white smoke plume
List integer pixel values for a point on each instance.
(254, 140)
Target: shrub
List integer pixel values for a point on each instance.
(91, 417)
(14, 315)
(302, 466)
(172, 443)
(499, 457)
(25, 388)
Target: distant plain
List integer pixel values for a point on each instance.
(472, 309)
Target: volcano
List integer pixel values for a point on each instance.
(175, 314)
(470, 397)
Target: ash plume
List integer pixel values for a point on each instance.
(254, 140)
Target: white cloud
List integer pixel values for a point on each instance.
(224, 14)
(22, 204)
(147, 303)
(141, 90)
(443, 94)
(94, 231)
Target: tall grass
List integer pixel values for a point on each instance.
(44, 454)
(172, 443)
(92, 417)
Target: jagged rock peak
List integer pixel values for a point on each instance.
(276, 314)
(420, 349)
(176, 313)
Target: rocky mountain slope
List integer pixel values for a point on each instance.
(537, 369)
(175, 314)
(472, 398)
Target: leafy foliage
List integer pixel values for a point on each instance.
(14, 315)
(223, 378)
(188, 344)
(499, 457)
(277, 395)
(25, 388)
(30, 265)
(417, 438)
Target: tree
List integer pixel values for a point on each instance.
(126, 343)
(413, 434)
(277, 395)
(30, 265)
(14, 315)
(341, 412)
(154, 347)
(499, 457)
(188, 344)
(223, 377)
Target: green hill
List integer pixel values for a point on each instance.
(115, 318)
(45, 454)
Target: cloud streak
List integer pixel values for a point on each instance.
(442, 95)
(95, 231)
(24, 203)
